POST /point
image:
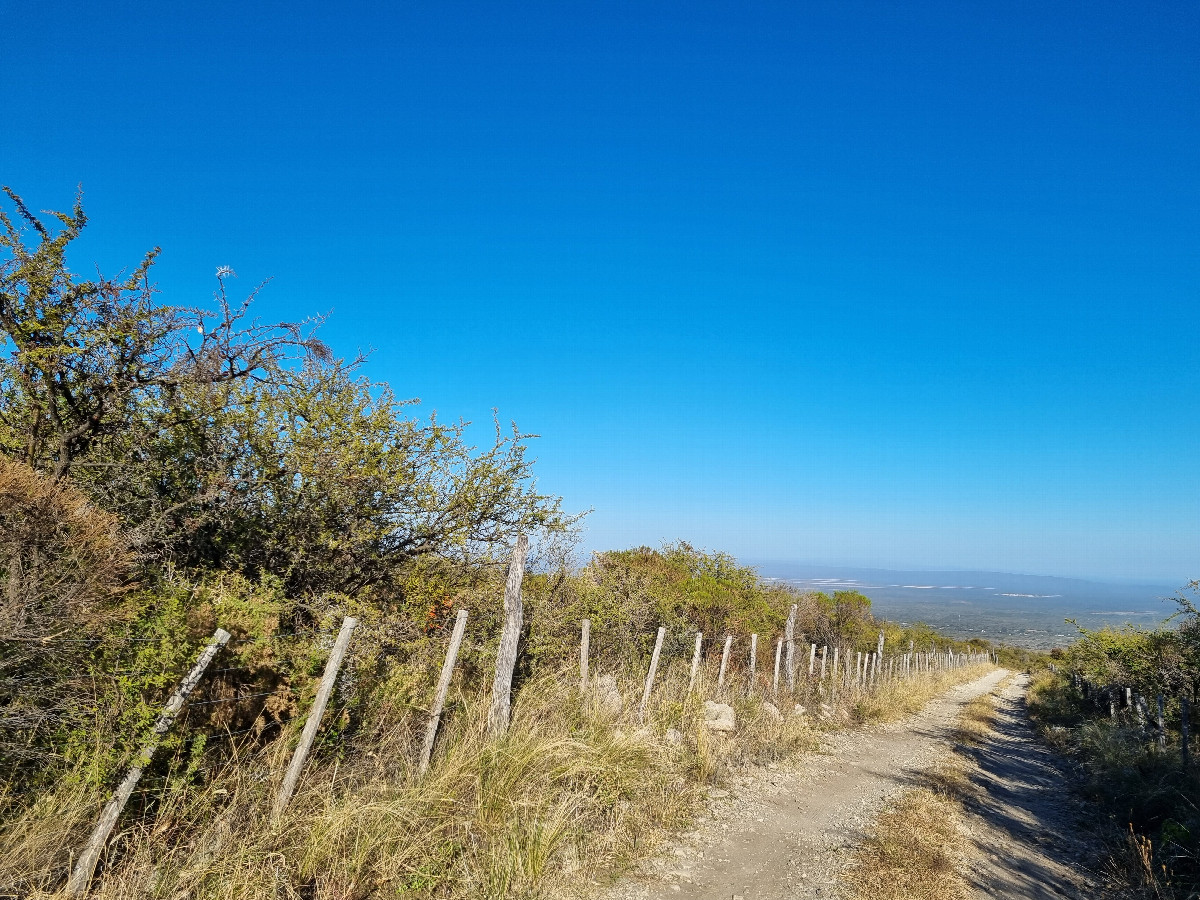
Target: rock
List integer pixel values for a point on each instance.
(799, 710)
(608, 697)
(826, 710)
(674, 737)
(773, 712)
(719, 716)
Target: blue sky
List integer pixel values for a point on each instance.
(856, 283)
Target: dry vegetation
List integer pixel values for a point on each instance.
(574, 793)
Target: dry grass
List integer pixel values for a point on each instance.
(574, 793)
(898, 699)
(916, 848)
(913, 853)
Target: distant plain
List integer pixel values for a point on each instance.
(1024, 610)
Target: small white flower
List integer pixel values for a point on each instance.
(225, 272)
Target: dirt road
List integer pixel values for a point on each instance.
(1033, 840)
(786, 832)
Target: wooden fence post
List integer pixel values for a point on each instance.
(658, 642)
(724, 661)
(510, 636)
(1162, 725)
(753, 658)
(789, 635)
(812, 659)
(695, 661)
(324, 691)
(439, 698)
(85, 866)
(775, 681)
(585, 639)
(824, 657)
(834, 679)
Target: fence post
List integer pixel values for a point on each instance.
(439, 698)
(812, 659)
(328, 681)
(658, 642)
(695, 661)
(1162, 725)
(585, 639)
(724, 661)
(753, 658)
(510, 636)
(775, 681)
(789, 635)
(85, 866)
(824, 657)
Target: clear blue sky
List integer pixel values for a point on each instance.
(888, 284)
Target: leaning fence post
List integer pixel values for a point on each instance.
(328, 681)
(439, 698)
(658, 642)
(724, 661)
(585, 639)
(775, 680)
(695, 661)
(510, 636)
(85, 866)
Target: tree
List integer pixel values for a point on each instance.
(221, 442)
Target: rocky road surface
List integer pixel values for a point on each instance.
(787, 832)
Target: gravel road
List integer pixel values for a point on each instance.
(1033, 839)
(787, 832)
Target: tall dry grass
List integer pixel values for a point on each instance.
(573, 793)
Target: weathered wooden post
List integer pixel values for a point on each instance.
(695, 661)
(658, 642)
(1162, 725)
(812, 659)
(824, 657)
(85, 866)
(778, 655)
(724, 661)
(439, 698)
(834, 680)
(753, 658)
(789, 635)
(585, 640)
(324, 691)
(510, 636)
(879, 650)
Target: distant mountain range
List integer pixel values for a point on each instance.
(1027, 610)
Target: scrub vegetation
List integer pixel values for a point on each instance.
(166, 470)
(1131, 766)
